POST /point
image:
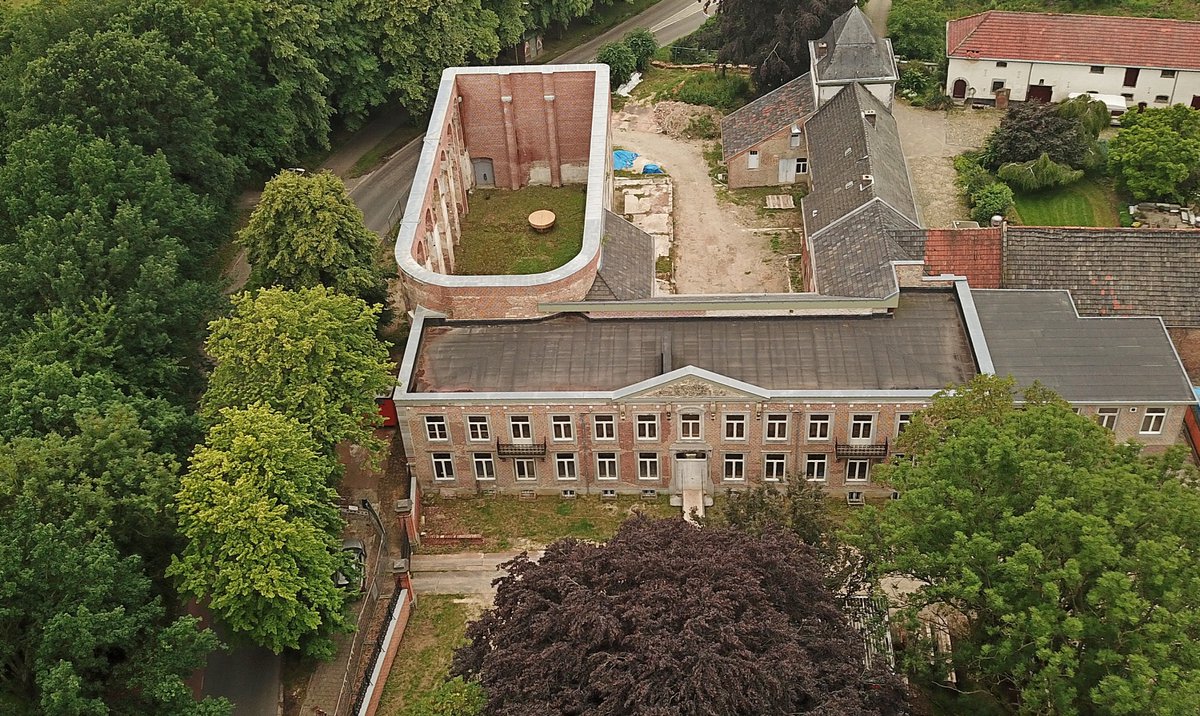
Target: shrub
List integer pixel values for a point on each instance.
(727, 92)
(620, 60)
(992, 200)
(642, 44)
(915, 79)
(1040, 174)
(702, 127)
(971, 175)
(451, 698)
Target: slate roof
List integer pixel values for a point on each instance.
(854, 51)
(922, 346)
(626, 262)
(1037, 335)
(1078, 39)
(843, 146)
(766, 115)
(853, 256)
(1140, 272)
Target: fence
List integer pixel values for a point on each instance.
(383, 651)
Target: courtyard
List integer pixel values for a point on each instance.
(497, 238)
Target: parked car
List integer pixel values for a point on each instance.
(354, 578)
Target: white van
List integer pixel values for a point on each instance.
(1117, 105)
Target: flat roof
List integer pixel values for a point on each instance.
(1038, 335)
(922, 346)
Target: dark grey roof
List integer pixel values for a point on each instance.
(854, 51)
(1037, 335)
(843, 146)
(1140, 272)
(626, 262)
(767, 115)
(852, 257)
(923, 346)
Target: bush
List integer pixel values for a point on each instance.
(1038, 175)
(992, 200)
(726, 92)
(915, 79)
(971, 175)
(642, 44)
(451, 698)
(620, 60)
(702, 127)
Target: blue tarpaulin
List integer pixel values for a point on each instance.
(652, 169)
(623, 159)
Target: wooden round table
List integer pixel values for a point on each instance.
(542, 220)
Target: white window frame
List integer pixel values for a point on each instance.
(801, 165)
(737, 461)
(640, 422)
(686, 418)
(479, 430)
(813, 459)
(610, 427)
(733, 419)
(524, 420)
(530, 474)
(486, 461)
(825, 420)
(649, 460)
(862, 430)
(566, 460)
(562, 428)
(1103, 416)
(774, 459)
(796, 134)
(866, 472)
(776, 423)
(1152, 421)
(752, 159)
(903, 420)
(611, 459)
(442, 432)
(442, 460)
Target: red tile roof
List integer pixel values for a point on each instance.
(1077, 39)
(974, 253)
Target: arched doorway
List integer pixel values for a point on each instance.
(959, 90)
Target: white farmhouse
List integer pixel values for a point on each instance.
(1047, 57)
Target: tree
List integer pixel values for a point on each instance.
(1073, 560)
(310, 354)
(1031, 129)
(83, 630)
(773, 35)
(993, 199)
(262, 532)
(1156, 155)
(917, 29)
(307, 231)
(669, 618)
(620, 60)
(642, 44)
(1038, 175)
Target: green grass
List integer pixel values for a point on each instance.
(695, 86)
(437, 626)
(595, 24)
(502, 519)
(497, 239)
(387, 146)
(1084, 203)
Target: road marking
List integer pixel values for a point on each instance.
(679, 16)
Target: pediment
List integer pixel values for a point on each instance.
(693, 382)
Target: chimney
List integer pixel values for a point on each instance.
(869, 115)
(822, 49)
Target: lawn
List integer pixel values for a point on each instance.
(437, 626)
(497, 238)
(726, 91)
(510, 523)
(1084, 203)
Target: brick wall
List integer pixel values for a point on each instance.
(974, 253)
(770, 151)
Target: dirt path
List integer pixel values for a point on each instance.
(877, 12)
(714, 250)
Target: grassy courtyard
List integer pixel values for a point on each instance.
(497, 238)
(438, 625)
(1084, 203)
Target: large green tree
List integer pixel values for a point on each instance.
(1031, 129)
(262, 532)
(307, 231)
(83, 632)
(773, 35)
(310, 354)
(1156, 155)
(1073, 560)
(917, 29)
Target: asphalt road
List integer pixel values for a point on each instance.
(248, 676)
(382, 194)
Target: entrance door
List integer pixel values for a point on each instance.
(787, 171)
(1040, 93)
(959, 91)
(1196, 101)
(690, 472)
(1131, 76)
(484, 176)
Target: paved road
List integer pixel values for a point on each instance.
(464, 573)
(382, 194)
(248, 676)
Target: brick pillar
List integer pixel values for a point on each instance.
(551, 130)
(510, 134)
(1002, 98)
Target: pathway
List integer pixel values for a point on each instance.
(462, 573)
(877, 12)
